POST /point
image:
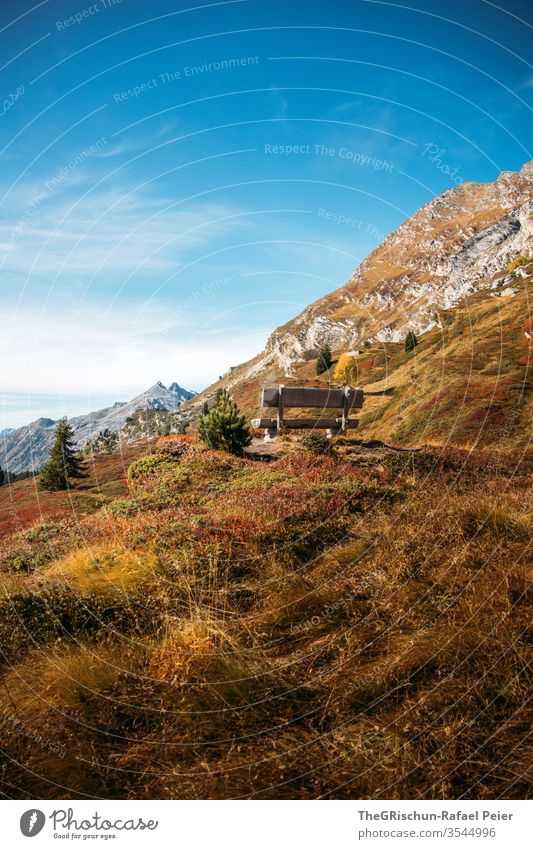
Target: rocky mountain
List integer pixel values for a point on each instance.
(458, 243)
(6, 431)
(26, 448)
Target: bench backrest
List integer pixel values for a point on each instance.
(310, 396)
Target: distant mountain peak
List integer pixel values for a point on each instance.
(175, 387)
(27, 447)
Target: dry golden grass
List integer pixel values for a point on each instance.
(102, 569)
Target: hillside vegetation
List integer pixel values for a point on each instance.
(344, 626)
(467, 383)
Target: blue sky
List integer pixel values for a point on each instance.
(179, 178)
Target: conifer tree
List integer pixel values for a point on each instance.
(63, 461)
(324, 359)
(2, 476)
(410, 341)
(224, 428)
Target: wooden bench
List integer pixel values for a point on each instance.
(282, 397)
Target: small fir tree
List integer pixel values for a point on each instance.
(64, 461)
(410, 341)
(224, 428)
(324, 359)
(2, 476)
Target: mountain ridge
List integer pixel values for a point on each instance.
(26, 448)
(475, 230)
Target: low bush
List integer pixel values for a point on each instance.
(124, 507)
(426, 461)
(317, 443)
(147, 465)
(26, 561)
(59, 614)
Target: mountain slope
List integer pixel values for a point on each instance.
(27, 447)
(351, 625)
(459, 242)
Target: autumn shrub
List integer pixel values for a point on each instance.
(147, 465)
(362, 496)
(426, 461)
(345, 372)
(178, 445)
(58, 613)
(124, 507)
(31, 549)
(316, 443)
(42, 533)
(25, 560)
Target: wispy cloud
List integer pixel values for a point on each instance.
(527, 83)
(114, 229)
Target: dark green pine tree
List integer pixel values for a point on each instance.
(224, 428)
(410, 341)
(63, 461)
(324, 359)
(2, 476)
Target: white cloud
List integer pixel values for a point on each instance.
(107, 228)
(120, 355)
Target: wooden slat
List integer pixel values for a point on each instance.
(305, 424)
(309, 396)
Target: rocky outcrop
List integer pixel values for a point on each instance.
(457, 243)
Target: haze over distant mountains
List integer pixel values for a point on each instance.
(26, 448)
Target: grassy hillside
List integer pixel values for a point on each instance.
(468, 383)
(23, 503)
(348, 626)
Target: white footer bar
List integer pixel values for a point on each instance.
(265, 825)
